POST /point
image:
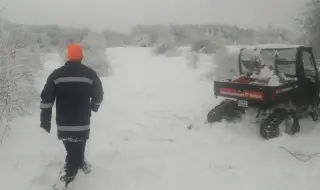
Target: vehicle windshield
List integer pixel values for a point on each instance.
(251, 60)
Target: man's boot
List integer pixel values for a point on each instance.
(70, 174)
(85, 167)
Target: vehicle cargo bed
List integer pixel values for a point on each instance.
(255, 94)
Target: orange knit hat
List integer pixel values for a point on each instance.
(75, 52)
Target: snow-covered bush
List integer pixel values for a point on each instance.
(116, 39)
(142, 41)
(162, 48)
(173, 52)
(206, 46)
(95, 54)
(166, 48)
(97, 61)
(192, 59)
(18, 63)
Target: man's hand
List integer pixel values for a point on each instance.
(97, 93)
(46, 127)
(95, 106)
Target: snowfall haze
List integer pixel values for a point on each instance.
(121, 15)
(152, 130)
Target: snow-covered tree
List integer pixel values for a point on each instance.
(309, 23)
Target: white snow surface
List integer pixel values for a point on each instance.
(140, 138)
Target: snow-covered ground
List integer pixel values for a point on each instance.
(150, 134)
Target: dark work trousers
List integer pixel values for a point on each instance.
(75, 154)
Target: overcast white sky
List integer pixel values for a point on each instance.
(122, 14)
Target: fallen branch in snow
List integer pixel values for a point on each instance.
(299, 156)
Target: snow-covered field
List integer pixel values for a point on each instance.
(150, 134)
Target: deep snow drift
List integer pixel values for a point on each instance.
(150, 134)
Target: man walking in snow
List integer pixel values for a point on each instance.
(77, 91)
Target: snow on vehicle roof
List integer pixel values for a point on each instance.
(275, 46)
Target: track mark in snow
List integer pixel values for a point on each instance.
(162, 140)
(214, 169)
(300, 156)
(48, 175)
(180, 117)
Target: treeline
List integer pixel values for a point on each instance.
(51, 36)
(163, 38)
(308, 21)
(182, 35)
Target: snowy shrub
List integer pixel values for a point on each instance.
(179, 35)
(116, 39)
(148, 36)
(95, 54)
(173, 52)
(162, 48)
(206, 46)
(143, 41)
(198, 46)
(97, 61)
(18, 63)
(192, 59)
(166, 48)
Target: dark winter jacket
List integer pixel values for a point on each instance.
(77, 90)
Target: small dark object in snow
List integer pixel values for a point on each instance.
(189, 127)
